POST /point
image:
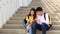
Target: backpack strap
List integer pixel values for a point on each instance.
(45, 16)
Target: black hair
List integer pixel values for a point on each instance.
(34, 12)
(39, 9)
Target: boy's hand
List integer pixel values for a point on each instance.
(36, 19)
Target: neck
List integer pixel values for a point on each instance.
(31, 15)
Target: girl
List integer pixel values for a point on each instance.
(30, 19)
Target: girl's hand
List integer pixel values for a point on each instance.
(28, 21)
(27, 28)
(33, 21)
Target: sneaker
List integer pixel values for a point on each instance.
(27, 33)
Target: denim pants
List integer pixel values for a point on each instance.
(43, 27)
(30, 28)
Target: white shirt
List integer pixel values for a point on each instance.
(41, 19)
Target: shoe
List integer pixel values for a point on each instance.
(27, 33)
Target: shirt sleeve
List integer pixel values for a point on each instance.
(27, 18)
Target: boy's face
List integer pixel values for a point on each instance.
(39, 12)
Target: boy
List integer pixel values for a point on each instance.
(43, 21)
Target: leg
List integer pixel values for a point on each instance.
(44, 28)
(32, 29)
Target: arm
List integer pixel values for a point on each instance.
(27, 19)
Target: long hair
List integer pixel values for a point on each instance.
(34, 12)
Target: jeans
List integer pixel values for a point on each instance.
(30, 28)
(44, 27)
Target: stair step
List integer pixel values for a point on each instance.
(23, 13)
(50, 32)
(13, 26)
(56, 27)
(26, 8)
(22, 18)
(20, 31)
(55, 23)
(15, 21)
(17, 18)
(19, 14)
(21, 21)
(21, 26)
(12, 31)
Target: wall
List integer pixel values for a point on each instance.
(9, 7)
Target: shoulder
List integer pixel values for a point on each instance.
(26, 15)
(46, 14)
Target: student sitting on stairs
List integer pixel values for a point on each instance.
(29, 20)
(43, 21)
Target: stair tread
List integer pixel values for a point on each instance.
(12, 31)
(6, 30)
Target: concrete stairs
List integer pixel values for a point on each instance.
(15, 24)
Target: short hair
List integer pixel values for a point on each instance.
(39, 9)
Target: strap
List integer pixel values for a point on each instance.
(45, 16)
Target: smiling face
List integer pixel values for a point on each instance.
(32, 12)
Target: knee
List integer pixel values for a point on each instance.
(34, 25)
(43, 24)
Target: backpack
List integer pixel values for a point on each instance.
(49, 18)
(25, 21)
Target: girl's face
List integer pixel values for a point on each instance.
(32, 12)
